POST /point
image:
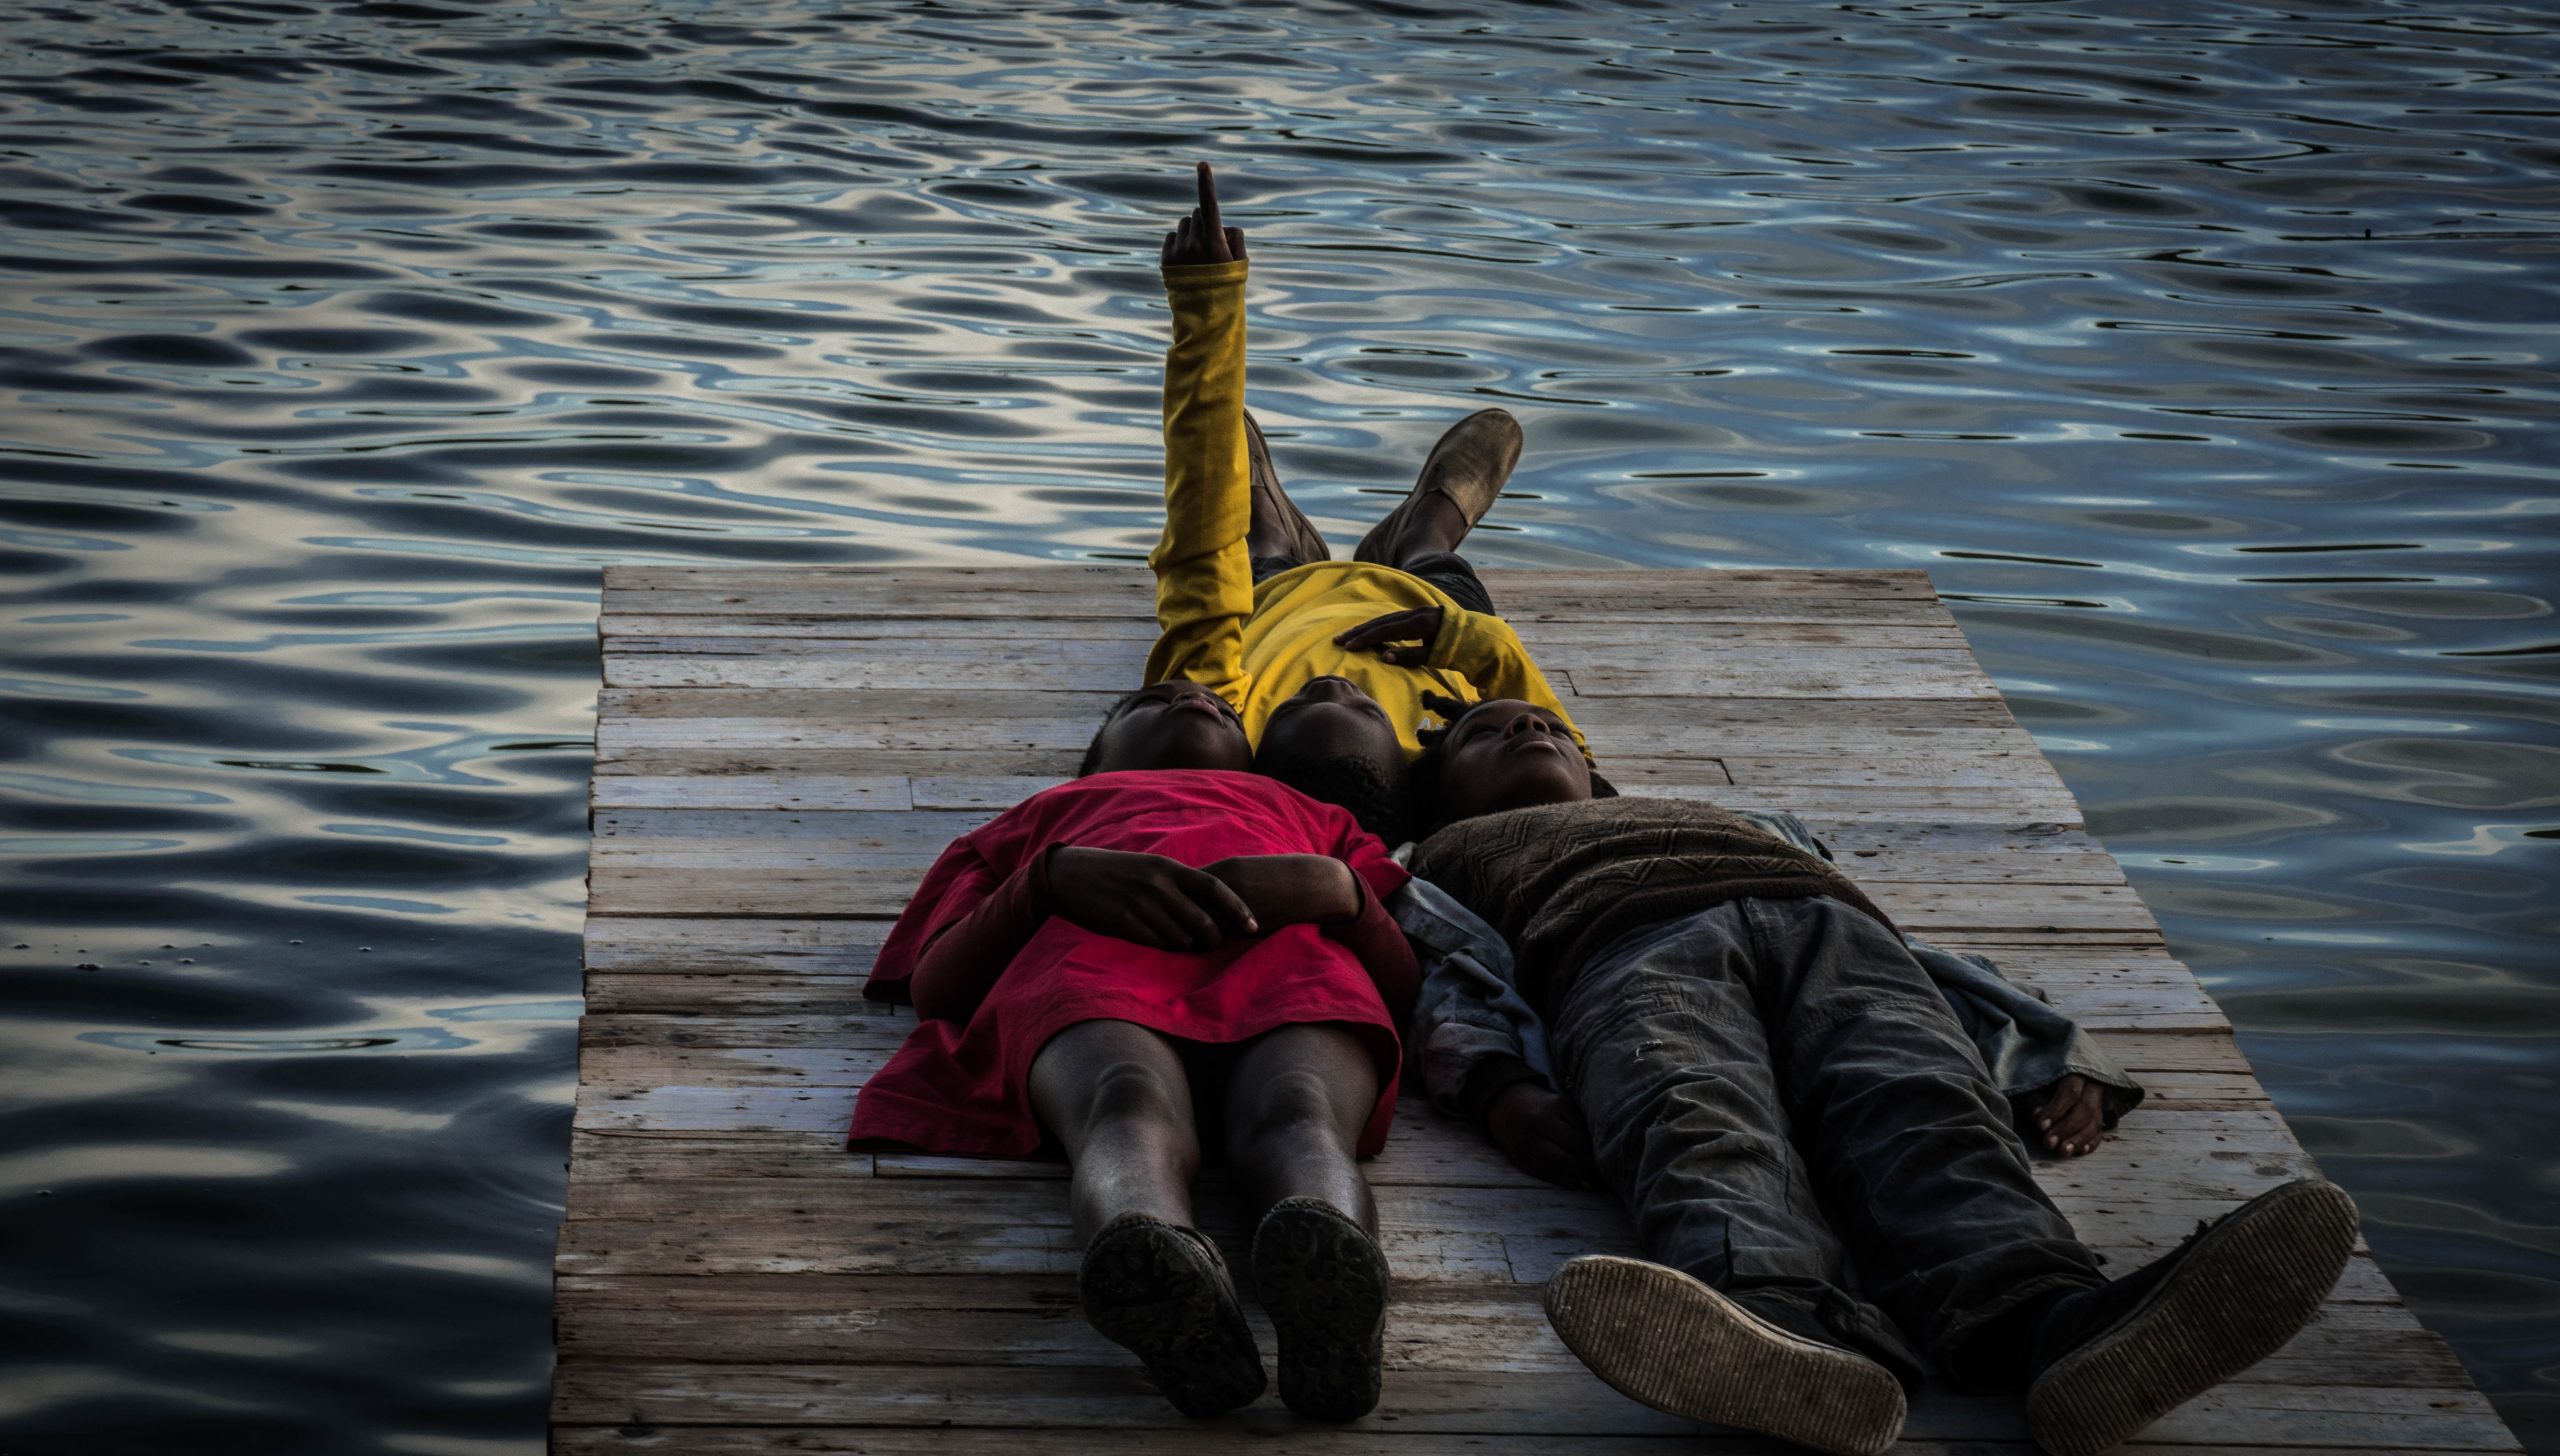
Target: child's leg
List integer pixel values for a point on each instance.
(1459, 483)
(1115, 1096)
(1298, 1099)
(1663, 1046)
(1296, 1102)
(1908, 1140)
(1450, 572)
(1744, 1320)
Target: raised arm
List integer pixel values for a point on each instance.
(1204, 576)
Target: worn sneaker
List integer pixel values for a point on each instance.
(1668, 1340)
(1325, 1284)
(1467, 468)
(1162, 1291)
(1278, 527)
(2120, 1356)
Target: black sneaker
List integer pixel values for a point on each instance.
(1662, 1337)
(2118, 1357)
(1325, 1284)
(1162, 1291)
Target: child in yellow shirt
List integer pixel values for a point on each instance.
(1331, 665)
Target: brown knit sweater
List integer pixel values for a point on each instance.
(1561, 881)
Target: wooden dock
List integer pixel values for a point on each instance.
(780, 755)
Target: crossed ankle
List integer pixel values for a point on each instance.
(2000, 1353)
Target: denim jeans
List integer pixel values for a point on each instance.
(1446, 570)
(1779, 1093)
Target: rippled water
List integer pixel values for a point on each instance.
(2195, 348)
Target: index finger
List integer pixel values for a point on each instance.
(1208, 199)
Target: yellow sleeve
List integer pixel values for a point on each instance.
(1204, 578)
(1489, 655)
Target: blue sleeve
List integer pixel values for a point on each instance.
(1473, 1034)
(2025, 1043)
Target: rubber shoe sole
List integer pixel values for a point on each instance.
(2246, 1286)
(1665, 1339)
(1158, 1291)
(1324, 1283)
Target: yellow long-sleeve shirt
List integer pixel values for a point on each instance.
(1257, 646)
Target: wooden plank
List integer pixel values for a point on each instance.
(1825, 673)
(623, 631)
(812, 836)
(1879, 847)
(1673, 668)
(1559, 1403)
(1034, 1320)
(886, 792)
(729, 993)
(873, 719)
(833, 945)
(2152, 1160)
(819, 946)
(711, 994)
(835, 1066)
(1034, 593)
(2207, 1052)
(816, 883)
(2080, 987)
(873, 1222)
(569, 1440)
(1615, 585)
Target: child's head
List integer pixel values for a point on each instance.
(1500, 754)
(1331, 741)
(1169, 725)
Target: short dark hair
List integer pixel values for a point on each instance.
(1427, 810)
(1093, 750)
(1378, 797)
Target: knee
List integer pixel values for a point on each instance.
(1130, 1095)
(1292, 1107)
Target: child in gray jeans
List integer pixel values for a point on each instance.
(1699, 1009)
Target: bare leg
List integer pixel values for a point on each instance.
(1116, 1097)
(1298, 1100)
(1295, 1105)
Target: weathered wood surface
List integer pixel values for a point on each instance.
(781, 754)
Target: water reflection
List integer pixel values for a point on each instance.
(2196, 351)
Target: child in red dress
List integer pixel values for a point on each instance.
(1171, 924)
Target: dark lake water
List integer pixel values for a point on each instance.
(2194, 348)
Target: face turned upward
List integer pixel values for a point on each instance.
(1507, 754)
(1329, 719)
(1171, 725)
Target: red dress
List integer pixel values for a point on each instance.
(955, 1088)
